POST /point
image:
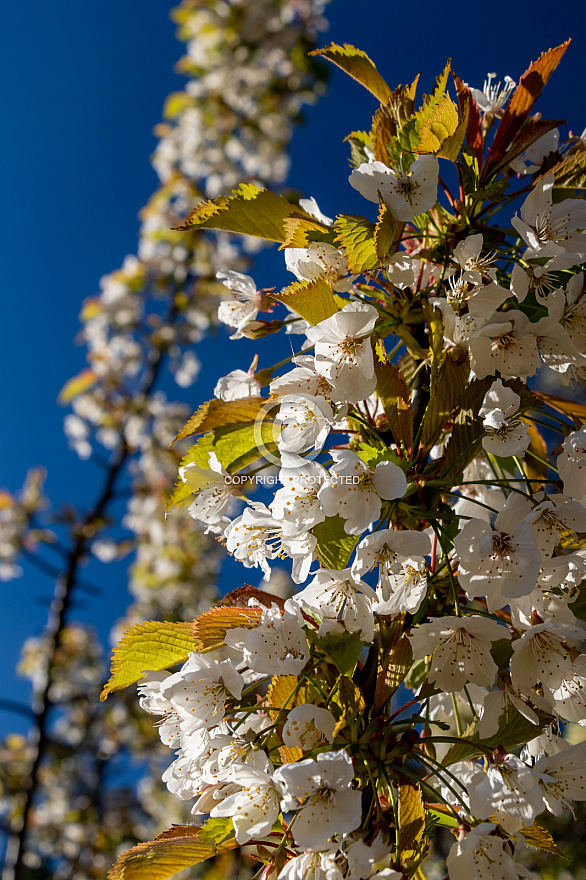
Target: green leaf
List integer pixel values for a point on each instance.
(180, 847)
(356, 236)
(312, 300)
(416, 675)
(248, 211)
(149, 646)
(451, 145)
(218, 413)
(469, 173)
(359, 66)
(344, 650)
(235, 447)
(435, 122)
(514, 731)
(446, 820)
(334, 546)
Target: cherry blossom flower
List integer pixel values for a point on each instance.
(507, 344)
(493, 98)
(572, 465)
(543, 654)
(236, 385)
(474, 267)
(534, 156)
(214, 493)
(406, 194)
(549, 229)
(297, 503)
(509, 790)
(341, 596)
(505, 435)
(308, 725)
(499, 563)
(276, 645)
(312, 865)
(199, 691)
(563, 776)
(306, 423)
(320, 791)
(256, 537)
(317, 260)
(246, 303)
(402, 582)
(354, 490)
(480, 855)
(255, 807)
(460, 649)
(343, 353)
(554, 517)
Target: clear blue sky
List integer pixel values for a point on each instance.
(83, 87)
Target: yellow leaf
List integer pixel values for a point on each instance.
(411, 816)
(180, 847)
(352, 702)
(384, 234)
(359, 66)
(248, 211)
(298, 230)
(78, 385)
(312, 300)
(538, 837)
(149, 646)
(218, 413)
(209, 629)
(561, 404)
(437, 125)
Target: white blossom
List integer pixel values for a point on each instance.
(405, 194)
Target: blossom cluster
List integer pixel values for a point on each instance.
(437, 534)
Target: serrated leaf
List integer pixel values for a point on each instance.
(312, 300)
(395, 398)
(469, 109)
(218, 413)
(384, 129)
(561, 404)
(209, 629)
(358, 65)
(240, 597)
(399, 664)
(235, 447)
(334, 546)
(522, 100)
(343, 649)
(570, 173)
(467, 431)
(445, 395)
(411, 816)
(181, 847)
(384, 234)
(299, 232)
(77, 385)
(452, 144)
(149, 646)
(514, 731)
(540, 838)
(531, 132)
(435, 121)
(351, 702)
(402, 101)
(356, 236)
(250, 210)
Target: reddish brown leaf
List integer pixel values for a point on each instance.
(524, 97)
(239, 598)
(474, 128)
